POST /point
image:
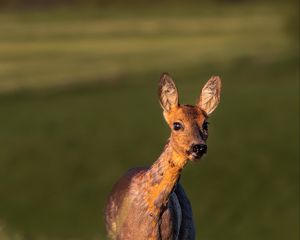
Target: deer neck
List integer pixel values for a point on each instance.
(162, 178)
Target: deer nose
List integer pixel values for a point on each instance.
(199, 148)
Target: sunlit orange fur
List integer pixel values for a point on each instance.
(148, 190)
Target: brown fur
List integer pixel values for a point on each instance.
(149, 203)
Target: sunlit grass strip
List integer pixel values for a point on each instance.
(56, 51)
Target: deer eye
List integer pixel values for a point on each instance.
(205, 126)
(177, 126)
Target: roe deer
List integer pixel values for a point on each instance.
(150, 203)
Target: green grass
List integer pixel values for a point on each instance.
(79, 107)
(54, 51)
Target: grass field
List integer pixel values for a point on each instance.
(78, 107)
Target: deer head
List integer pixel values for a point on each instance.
(189, 125)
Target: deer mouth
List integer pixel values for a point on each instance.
(196, 151)
(194, 156)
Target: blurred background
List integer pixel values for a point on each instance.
(79, 106)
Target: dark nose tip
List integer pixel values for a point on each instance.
(199, 148)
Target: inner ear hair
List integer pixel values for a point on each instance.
(167, 92)
(210, 95)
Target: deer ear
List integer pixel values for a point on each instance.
(210, 95)
(167, 92)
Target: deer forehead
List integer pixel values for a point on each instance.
(186, 113)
